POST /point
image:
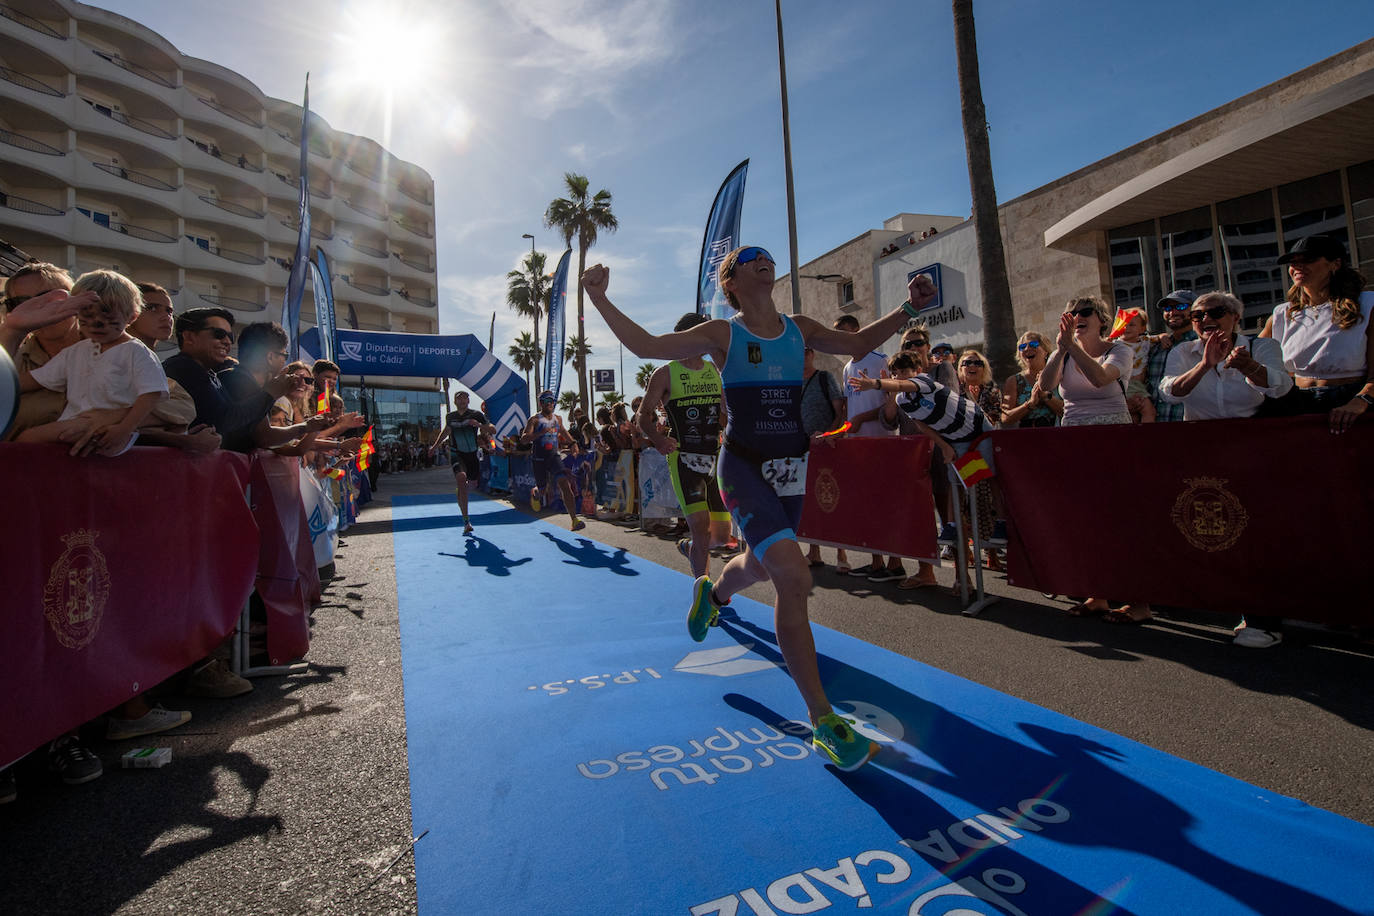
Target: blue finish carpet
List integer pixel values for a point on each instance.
(572, 751)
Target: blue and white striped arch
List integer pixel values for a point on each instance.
(459, 356)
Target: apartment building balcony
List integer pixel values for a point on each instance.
(233, 303)
(139, 124)
(365, 210)
(413, 228)
(231, 207)
(134, 177)
(128, 66)
(29, 22)
(365, 249)
(33, 84)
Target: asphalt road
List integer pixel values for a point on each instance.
(295, 798)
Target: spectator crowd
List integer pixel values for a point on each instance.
(91, 384)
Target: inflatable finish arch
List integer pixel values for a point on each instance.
(459, 356)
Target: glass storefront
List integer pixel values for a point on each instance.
(1248, 234)
(398, 414)
(1135, 267)
(1249, 247)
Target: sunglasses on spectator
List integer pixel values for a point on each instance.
(1174, 307)
(941, 351)
(970, 363)
(1084, 312)
(914, 344)
(1029, 345)
(14, 302)
(748, 254)
(1213, 313)
(220, 334)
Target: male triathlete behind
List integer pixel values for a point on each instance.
(546, 433)
(462, 427)
(691, 394)
(762, 469)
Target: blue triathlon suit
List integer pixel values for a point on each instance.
(545, 458)
(763, 380)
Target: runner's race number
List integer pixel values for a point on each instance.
(787, 476)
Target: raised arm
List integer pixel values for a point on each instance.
(711, 339)
(858, 344)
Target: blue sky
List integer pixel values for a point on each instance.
(656, 100)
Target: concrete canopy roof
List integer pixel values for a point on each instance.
(1318, 133)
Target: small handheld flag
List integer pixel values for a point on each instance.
(322, 402)
(1123, 318)
(973, 468)
(837, 431)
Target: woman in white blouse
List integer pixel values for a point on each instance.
(1222, 374)
(1325, 333)
(1088, 368)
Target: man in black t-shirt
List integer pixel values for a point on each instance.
(462, 427)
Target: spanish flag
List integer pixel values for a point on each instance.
(1123, 318)
(973, 467)
(366, 451)
(322, 401)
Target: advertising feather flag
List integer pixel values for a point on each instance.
(721, 237)
(295, 284)
(557, 327)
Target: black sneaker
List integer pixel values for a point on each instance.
(887, 575)
(69, 759)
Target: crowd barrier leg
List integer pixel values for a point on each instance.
(970, 495)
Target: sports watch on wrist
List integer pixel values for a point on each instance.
(910, 309)
(1366, 398)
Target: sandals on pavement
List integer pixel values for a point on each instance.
(1085, 610)
(915, 582)
(1124, 617)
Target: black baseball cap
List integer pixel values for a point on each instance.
(1181, 296)
(1317, 246)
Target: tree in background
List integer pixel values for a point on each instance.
(611, 398)
(567, 400)
(525, 354)
(527, 290)
(643, 374)
(999, 327)
(582, 216)
(574, 350)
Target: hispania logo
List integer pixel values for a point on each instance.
(352, 349)
(862, 877)
(731, 753)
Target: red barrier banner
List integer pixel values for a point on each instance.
(288, 579)
(116, 574)
(872, 494)
(1249, 516)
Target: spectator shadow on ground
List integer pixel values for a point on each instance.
(990, 771)
(1329, 670)
(483, 554)
(590, 555)
(165, 818)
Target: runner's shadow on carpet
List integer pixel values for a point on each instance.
(589, 555)
(992, 771)
(483, 554)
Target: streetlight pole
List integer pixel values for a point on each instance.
(535, 307)
(787, 162)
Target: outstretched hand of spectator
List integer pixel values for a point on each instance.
(51, 307)
(318, 423)
(1068, 324)
(862, 382)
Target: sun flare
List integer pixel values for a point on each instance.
(394, 48)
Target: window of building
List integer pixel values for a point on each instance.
(1186, 240)
(1134, 261)
(1249, 247)
(1361, 180)
(1313, 206)
(846, 293)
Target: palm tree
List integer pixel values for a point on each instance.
(999, 328)
(582, 216)
(527, 290)
(525, 353)
(567, 401)
(643, 375)
(575, 347)
(611, 398)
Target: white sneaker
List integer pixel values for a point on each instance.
(1255, 638)
(214, 679)
(153, 721)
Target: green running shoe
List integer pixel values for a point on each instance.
(834, 736)
(534, 499)
(704, 611)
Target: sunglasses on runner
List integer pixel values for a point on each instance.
(748, 254)
(1213, 313)
(1084, 312)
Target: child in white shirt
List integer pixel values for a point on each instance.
(111, 380)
